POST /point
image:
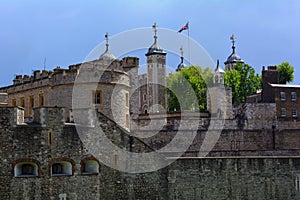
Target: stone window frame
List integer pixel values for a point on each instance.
(66, 164)
(127, 99)
(127, 121)
(283, 112)
(18, 168)
(293, 96)
(90, 166)
(31, 104)
(97, 100)
(294, 112)
(282, 96)
(22, 101)
(41, 99)
(14, 102)
(50, 137)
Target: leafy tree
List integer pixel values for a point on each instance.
(285, 73)
(187, 88)
(243, 81)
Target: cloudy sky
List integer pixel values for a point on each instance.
(60, 33)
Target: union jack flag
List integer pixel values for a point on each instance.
(185, 27)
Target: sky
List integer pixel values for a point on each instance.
(38, 34)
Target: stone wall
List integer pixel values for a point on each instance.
(234, 178)
(250, 167)
(49, 140)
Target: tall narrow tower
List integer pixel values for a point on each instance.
(219, 97)
(156, 71)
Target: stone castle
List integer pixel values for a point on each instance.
(43, 156)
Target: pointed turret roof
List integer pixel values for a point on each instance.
(234, 57)
(107, 55)
(155, 48)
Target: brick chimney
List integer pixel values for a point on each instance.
(269, 76)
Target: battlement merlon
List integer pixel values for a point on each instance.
(44, 116)
(129, 62)
(126, 64)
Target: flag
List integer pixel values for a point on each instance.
(185, 27)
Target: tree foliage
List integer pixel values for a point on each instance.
(285, 73)
(243, 82)
(187, 88)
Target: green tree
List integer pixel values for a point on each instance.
(187, 88)
(243, 81)
(285, 73)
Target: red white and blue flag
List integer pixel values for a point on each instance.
(185, 27)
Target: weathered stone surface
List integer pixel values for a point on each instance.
(250, 167)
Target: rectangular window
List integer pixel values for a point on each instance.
(145, 97)
(31, 104)
(22, 100)
(294, 112)
(41, 100)
(283, 112)
(294, 96)
(97, 97)
(127, 121)
(126, 99)
(50, 138)
(297, 182)
(282, 96)
(14, 102)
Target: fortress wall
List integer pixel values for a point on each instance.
(187, 178)
(233, 178)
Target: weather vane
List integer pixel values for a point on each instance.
(106, 37)
(154, 27)
(232, 38)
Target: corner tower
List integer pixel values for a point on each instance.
(156, 71)
(219, 97)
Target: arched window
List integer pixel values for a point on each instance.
(26, 169)
(57, 168)
(89, 166)
(62, 168)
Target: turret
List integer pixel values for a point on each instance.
(156, 68)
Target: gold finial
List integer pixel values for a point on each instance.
(232, 37)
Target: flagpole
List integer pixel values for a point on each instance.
(189, 44)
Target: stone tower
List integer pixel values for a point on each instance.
(156, 71)
(233, 58)
(219, 97)
(131, 66)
